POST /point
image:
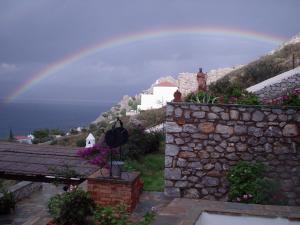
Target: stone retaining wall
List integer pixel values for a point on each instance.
(23, 189)
(203, 141)
(277, 86)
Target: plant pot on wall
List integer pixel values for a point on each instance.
(117, 168)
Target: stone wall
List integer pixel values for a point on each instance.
(203, 141)
(277, 86)
(23, 189)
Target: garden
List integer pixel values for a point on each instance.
(144, 152)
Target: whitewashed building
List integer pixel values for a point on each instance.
(90, 141)
(25, 139)
(163, 92)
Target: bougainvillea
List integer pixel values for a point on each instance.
(97, 155)
(291, 98)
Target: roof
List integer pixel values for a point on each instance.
(90, 136)
(22, 138)
(165, 84)
(40, 162)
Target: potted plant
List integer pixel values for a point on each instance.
(71, 208)
(7, 202)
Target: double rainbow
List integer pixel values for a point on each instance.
(135, 37)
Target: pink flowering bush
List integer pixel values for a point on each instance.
(291, 98)
(97, 155)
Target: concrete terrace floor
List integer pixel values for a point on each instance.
(178, 211)
(33, 210)
(183, 211)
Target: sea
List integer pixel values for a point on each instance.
(23, 118)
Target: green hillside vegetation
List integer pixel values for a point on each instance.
(262, 69)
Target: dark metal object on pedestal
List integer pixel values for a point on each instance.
(115, 138)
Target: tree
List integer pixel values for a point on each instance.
(11, 136)
(40, 133)
(123, 112)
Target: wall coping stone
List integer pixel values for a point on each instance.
(235, 105)
(103, 176)
(23, 189)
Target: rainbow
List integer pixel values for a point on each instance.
(136, 37)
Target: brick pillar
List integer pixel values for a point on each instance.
(107, 191)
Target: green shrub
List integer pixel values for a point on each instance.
(153, 117)
(248, 99)
(56, 132)
(80, 143)
(119, 216)
(73, 207)
(247, 183)
(201, 97)
(291, 100)
(7, 202)
(54, 142)
(111, 215)
(41, 133)
(141, 143)
(232, 93)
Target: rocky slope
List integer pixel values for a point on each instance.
(282, 59)
(275, 62)
(186, 82)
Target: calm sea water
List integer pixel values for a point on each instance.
(22, 118)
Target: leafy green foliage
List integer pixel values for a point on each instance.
(133, 104)
(41, 133)
(118, 216)
(153, 117)
(291, 100)
(123, 112)
(248, 184)
(141, 143)
(248, 99)
(232, 93)
(112, 215)
(11, 136)
(201, 97)
(7, 202)
(264, 68)
(72, 207)
(44, 135)
(151, 167)
(80, 143)
(56, 132)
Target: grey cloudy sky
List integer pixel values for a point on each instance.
(36, 33)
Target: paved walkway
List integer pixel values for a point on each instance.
(33, 210)
(182, 211)
(179, 211)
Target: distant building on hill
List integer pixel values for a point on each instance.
(90, 141)
(162, 93)
(25, 139)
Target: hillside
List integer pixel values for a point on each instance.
(187, 82)
(270, 65)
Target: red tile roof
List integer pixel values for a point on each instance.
(165, 84)
(22, 137)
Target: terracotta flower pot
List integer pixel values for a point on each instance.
(51, 222)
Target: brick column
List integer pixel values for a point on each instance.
(107, 191)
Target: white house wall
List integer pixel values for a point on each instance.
(148, 102)
(164, 94)
(161, 95)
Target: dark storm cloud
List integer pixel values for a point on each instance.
(35, 33)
